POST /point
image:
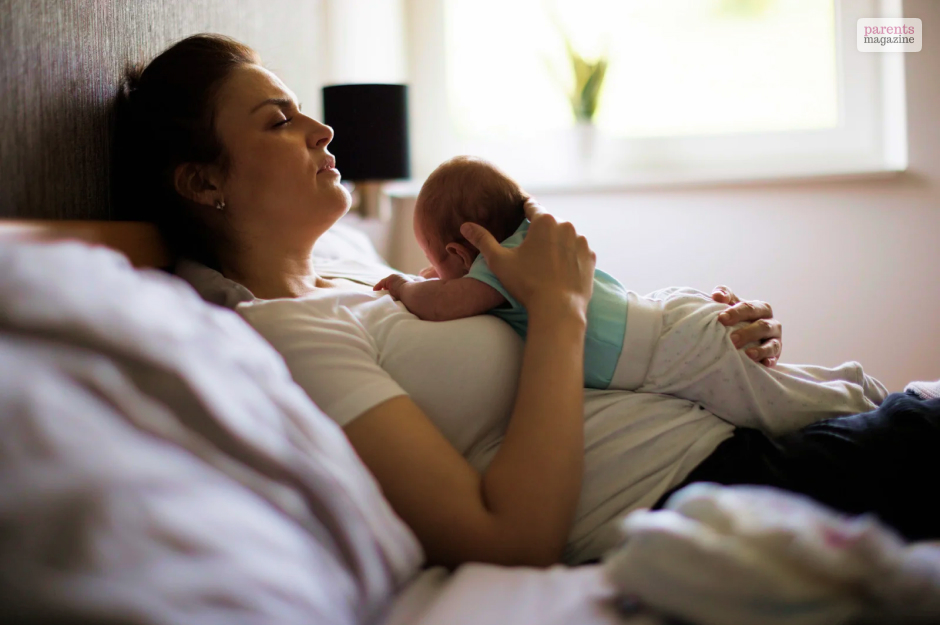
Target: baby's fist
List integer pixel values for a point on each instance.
(393, 284)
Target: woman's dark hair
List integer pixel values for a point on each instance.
(164, 115)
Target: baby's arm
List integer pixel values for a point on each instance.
(442, 300)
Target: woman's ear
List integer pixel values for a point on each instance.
(460, 250)
(194, 182)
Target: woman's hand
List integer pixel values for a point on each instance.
(552, 266)
(764, 329)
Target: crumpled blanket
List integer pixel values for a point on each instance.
(747, 555)
(159, 465)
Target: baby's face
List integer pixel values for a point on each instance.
(448, 266)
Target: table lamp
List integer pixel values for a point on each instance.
(370, 122)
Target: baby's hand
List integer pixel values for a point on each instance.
(394, 284)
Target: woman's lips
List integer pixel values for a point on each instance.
(328, 165)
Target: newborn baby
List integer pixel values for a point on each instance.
(669, 341)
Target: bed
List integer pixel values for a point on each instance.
(157, 463)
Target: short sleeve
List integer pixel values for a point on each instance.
(332, 357)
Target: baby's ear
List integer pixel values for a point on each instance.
(463, 252)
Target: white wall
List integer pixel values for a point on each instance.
(852, 268)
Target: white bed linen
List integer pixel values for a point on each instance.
(159, 465)
(751, 555)
(479, 594)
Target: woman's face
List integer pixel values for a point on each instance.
(282, 182)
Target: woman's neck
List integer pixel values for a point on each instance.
(273, 273)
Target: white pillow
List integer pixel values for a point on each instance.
(343, 242)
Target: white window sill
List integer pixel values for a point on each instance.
(670, 181)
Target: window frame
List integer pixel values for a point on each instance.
(871, 139)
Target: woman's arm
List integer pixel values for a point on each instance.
(521, 509)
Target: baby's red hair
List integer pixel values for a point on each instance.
(467, 188)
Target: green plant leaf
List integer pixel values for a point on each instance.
(588, 81)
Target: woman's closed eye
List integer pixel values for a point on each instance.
(283, 122)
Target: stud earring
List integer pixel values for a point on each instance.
(219, 204)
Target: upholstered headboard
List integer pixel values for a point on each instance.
(62, 61)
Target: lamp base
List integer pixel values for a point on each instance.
(371, 202)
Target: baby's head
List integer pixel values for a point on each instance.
(463, 189)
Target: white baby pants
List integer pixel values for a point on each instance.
(676, 346)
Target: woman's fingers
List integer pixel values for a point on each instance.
(481, 239)
(750, 310)
(767, 353)
(552, 265)
(724, 295)
(760, 331)
(532, 209)
(542, 221)
(763, 330)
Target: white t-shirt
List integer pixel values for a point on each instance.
(353, 349)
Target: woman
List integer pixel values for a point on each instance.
(488, 449)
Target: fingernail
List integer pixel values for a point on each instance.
(736, 339)
(465, 230)
(752, 353)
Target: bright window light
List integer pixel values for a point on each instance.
(695, 90)
(676, 67)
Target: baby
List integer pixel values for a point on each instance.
(669, 341)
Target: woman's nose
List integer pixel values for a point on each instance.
(320, 135)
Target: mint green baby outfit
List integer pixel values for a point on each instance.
(606, 316)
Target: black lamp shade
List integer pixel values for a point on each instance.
(370, 123)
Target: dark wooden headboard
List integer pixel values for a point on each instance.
(140, 242)
(62, 62)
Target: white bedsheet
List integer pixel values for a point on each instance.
(478, 594)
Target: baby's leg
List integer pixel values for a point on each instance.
(696, 360)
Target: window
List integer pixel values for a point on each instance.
(695, 90)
